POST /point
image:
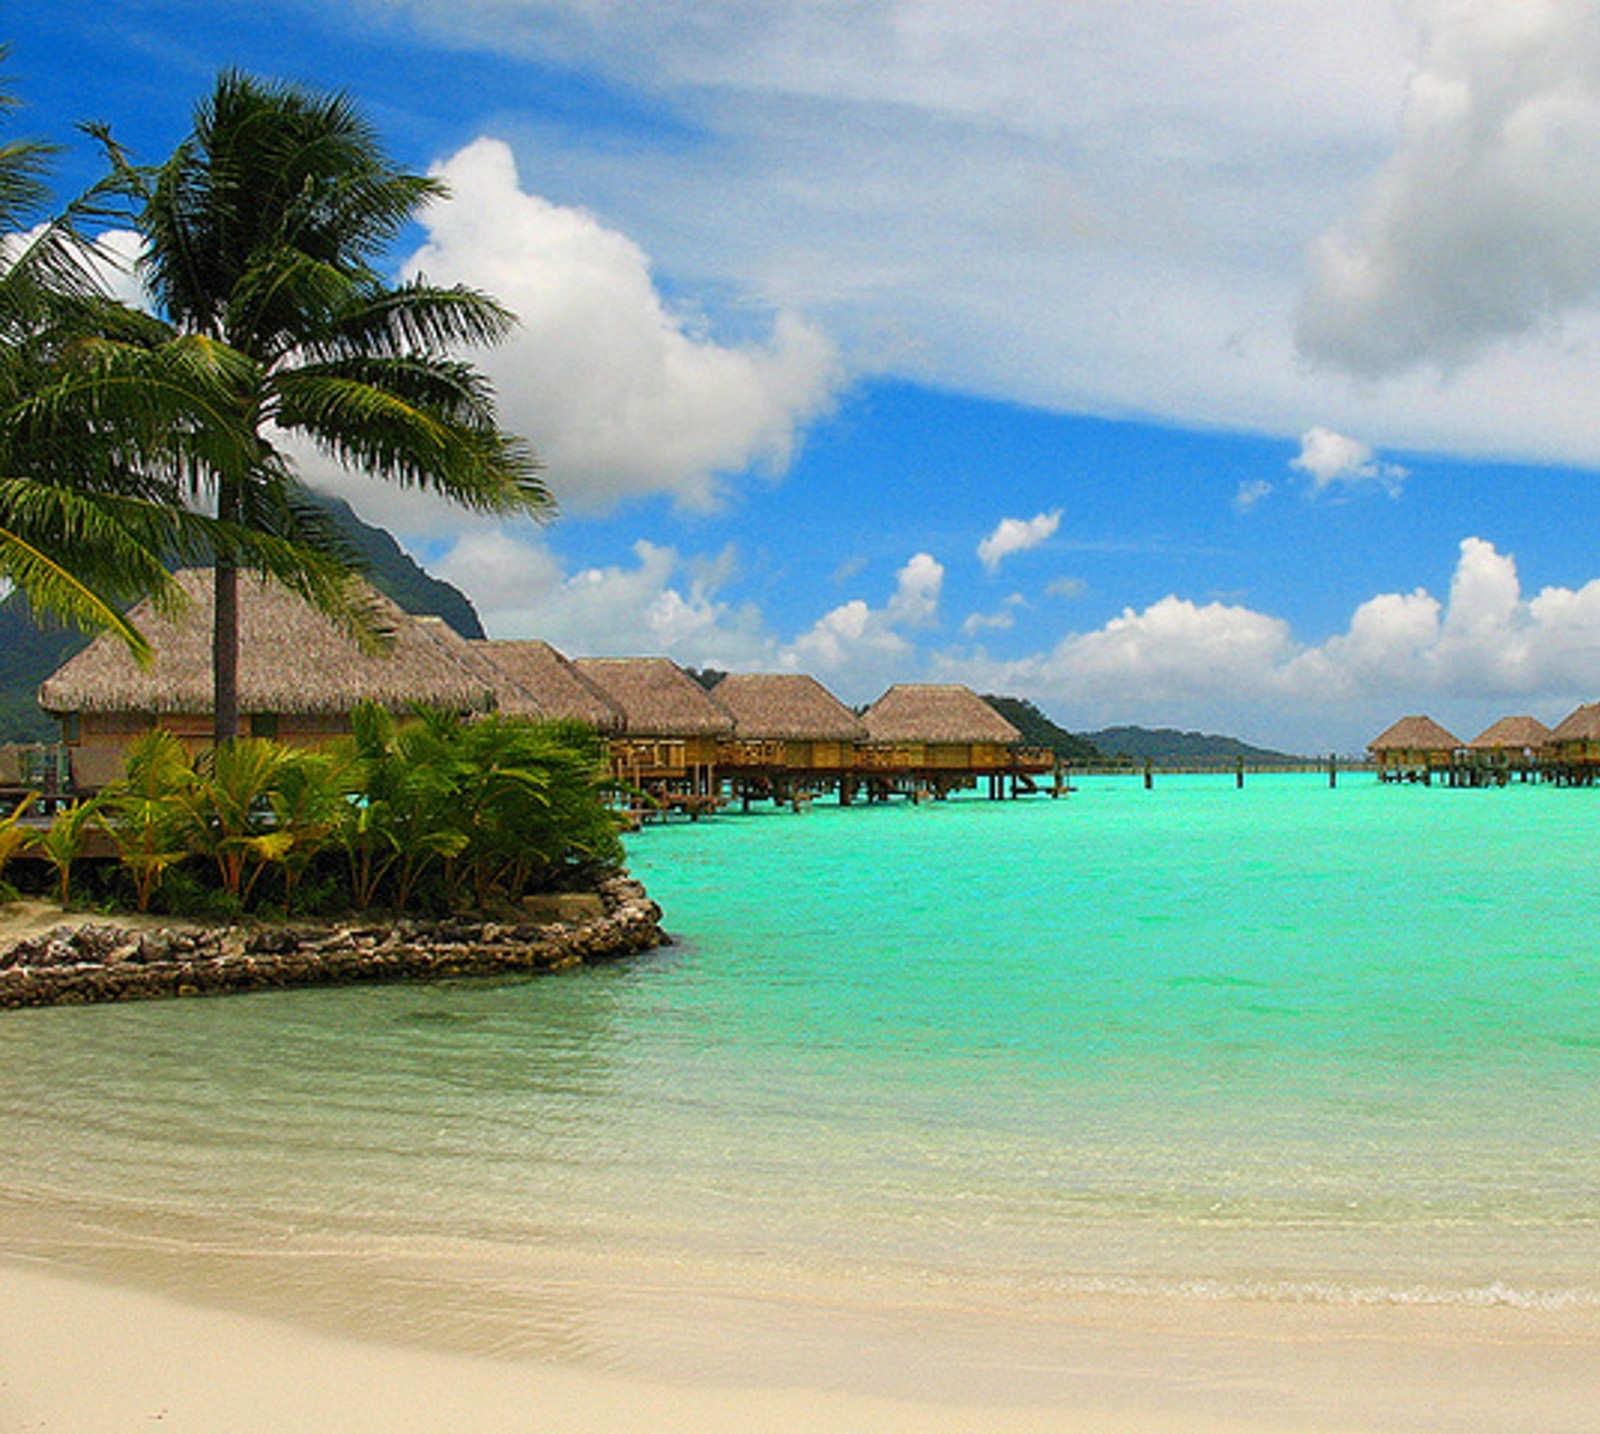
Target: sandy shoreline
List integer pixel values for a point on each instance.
(92, 1353)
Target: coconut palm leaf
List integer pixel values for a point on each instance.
(260, 235)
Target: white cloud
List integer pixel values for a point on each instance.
(1000, 621)
(1481, 227)
(1251, 492)
(619, 394)
(1017, 535)
(1485, 650)
(862, 648)
(1067, 589)
(916, 594)
(1331, 458)
(663, 605)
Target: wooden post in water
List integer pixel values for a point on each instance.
(1147, 782)
(1333, 770)
(1238, 773)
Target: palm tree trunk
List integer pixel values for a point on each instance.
(225, 630)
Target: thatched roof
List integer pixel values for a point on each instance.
(1518, 734)
(1414, 734)
(656, 696)
(785, 707)
(1582, 725)
(914, 712)
(291, 659)
(537, 670)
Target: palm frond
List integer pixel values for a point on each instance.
(52, 589)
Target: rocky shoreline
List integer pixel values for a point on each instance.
(106, 962)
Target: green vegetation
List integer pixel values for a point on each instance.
(1039, 731)
(122, 430)
(431, 814)
(260, 234)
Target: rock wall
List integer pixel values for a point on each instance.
(112, 963)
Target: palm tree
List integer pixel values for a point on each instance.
(261, 233)
(105, 412)
(69, 554)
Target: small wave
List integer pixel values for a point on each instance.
(1495, 1295)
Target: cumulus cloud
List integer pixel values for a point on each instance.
(1331, 458)
(619, 393)
(1481, 226)
(864, 647)
(1485, 648)
(662, 605)
(1017, 535)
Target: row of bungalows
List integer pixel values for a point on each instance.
(1418, 749)
(780, 735)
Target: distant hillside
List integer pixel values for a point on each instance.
(29, 653)
(1167, 747)
(1039, 731)
(396, 574)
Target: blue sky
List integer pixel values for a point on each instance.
(1226, 364)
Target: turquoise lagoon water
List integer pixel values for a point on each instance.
(1283, 1043)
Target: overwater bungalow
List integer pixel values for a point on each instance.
(552, 680)
(300, 675)
(670, 731)
(1513, 746)
(791, 736)
(937, 738)
(1572, 750)
(1414, 749)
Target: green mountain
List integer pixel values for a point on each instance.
(1167, 747)
(396, 574)
(30, 652)
(1039, 731)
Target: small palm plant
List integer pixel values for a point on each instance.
(13, 835)
(228, 814)
(61, 843)
(310, 799)
(144, 812)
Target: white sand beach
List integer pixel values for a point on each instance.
(92, 1357)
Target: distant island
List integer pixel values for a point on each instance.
(1168, 747)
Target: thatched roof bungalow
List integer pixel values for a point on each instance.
(785, 722)
(1573, 746)
(1513, 741)
(552, 680)
(1413, 746)
(670, 726)
(300, 675)
(937, 727)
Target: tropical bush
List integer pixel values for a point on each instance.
(428, 813)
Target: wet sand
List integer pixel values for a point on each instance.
(92, 1355)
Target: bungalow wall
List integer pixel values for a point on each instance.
(119, 729)
(1412, 759)
(795, 756)
(661, 758)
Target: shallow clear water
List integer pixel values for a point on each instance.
(1283, 1043)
